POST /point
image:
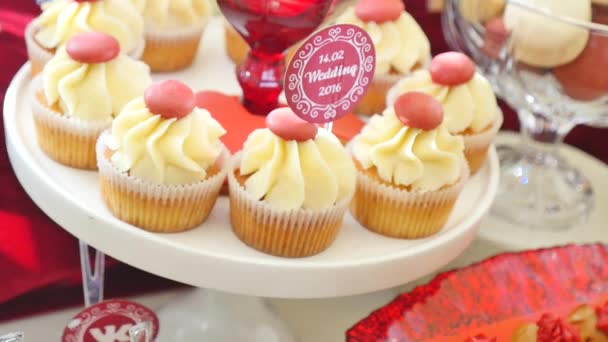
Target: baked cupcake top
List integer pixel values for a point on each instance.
(91, 80)
(62, 19)
(164, 138)
(292, 164)
(467, 98)
(401, 45)
(409, 145)
(159, 14)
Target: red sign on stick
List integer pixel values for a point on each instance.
(330, 73)
(108, 321)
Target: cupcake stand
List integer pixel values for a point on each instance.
(211, 257)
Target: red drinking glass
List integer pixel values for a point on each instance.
(269, 27)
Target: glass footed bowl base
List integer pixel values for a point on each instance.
(540, 190)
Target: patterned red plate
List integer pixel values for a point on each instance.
(493, 297)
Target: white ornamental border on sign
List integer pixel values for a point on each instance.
(354, 36)
(131, 311)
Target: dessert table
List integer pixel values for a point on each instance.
(311, 319)
(314, 320)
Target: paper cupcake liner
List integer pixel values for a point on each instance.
(38, 55)
(171, 50)
(166, 208)
(236, 47)
(67, 140)
(286, 233)
(476, 145)
(399, 213)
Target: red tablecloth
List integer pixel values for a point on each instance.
(35, 253)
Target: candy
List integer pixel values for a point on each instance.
(92, 47)
(452, 68)
(495, 38)
(584, 79)
(285, 124)
(170, 99)
(419, 110)
(379, 11)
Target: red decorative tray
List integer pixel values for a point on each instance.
(493, 297)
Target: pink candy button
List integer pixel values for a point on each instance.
(419, 110)
(286, 124)
(92, 47)
(379, 11)
(170, 99)
(452, 68)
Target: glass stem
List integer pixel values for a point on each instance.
(542, 135)
(261, 78)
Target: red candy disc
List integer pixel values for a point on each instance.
(286, 124)
(419, 110)
(92, 47)
(170, 99)
(108, 321)
(379, 11)
(452, 68)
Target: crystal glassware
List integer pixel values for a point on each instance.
(269, 27)
(549, 65)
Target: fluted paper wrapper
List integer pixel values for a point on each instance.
(165, 208)
(38, 56)
(171, 50)
(476, 145)
(400, 213)
(236, 47)
(286, 233)
(67, 140)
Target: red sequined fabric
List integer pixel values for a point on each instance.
(498, 289)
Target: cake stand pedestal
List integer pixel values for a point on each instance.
(211, 256)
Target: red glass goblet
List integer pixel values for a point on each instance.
(269, 27)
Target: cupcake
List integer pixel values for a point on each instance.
(410, 169)
(290, 187)
(237, 48)
(467, 98)
(62, 19)
(549, 328)
(173, 31)
(162, 164)
(80, 90)
(585, 320)
(401, 46)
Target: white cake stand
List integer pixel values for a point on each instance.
(211, 256)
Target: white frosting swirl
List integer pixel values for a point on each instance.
(401, 45)
(314, 174)
(93, 92)
(174, 13)
(62, 19)
(469, 106)
(166, 151)
(404, 156)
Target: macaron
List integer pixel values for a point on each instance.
(379, 11)
(585, 78)
(452, 69)
(419, 110)
(284, 123)
(170, 99)
(92, 47)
